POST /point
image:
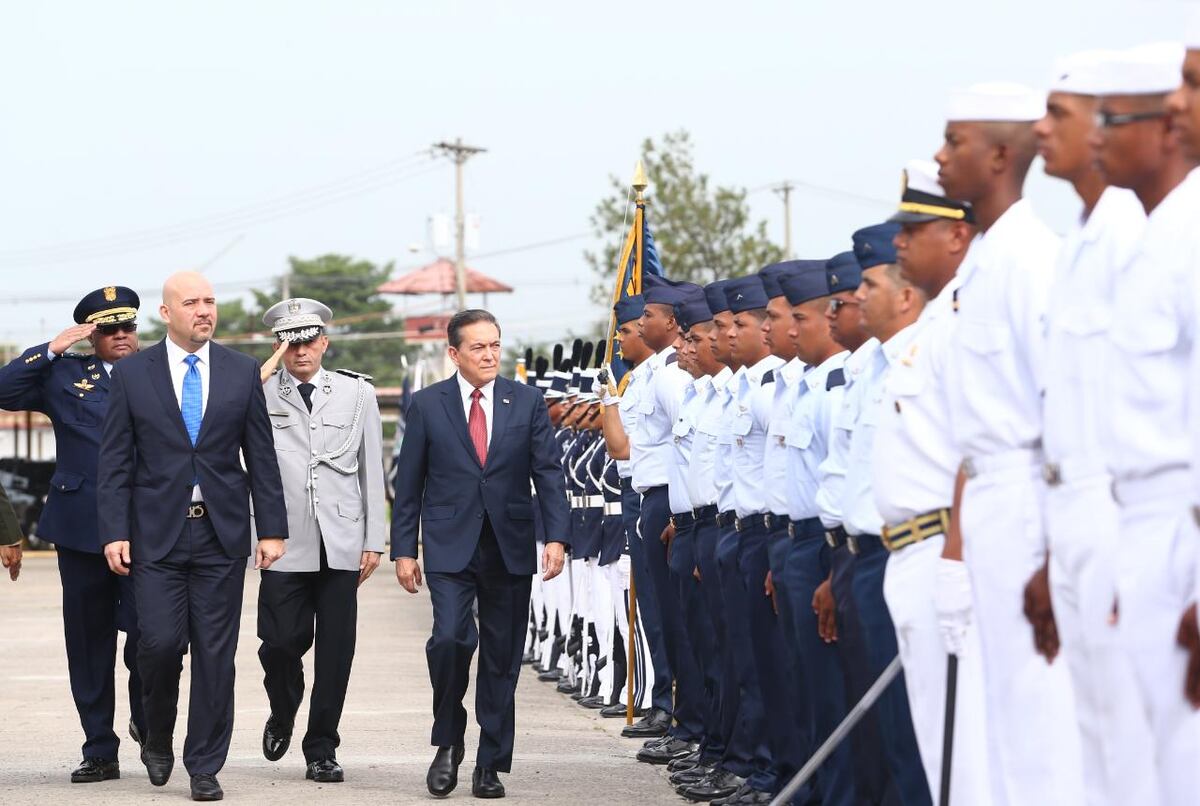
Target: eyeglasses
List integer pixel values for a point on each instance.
(835, 305)
(1108, 120)
(122, 327)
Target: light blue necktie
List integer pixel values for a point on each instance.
(191, 405)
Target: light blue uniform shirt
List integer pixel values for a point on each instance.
(749, 438)
(650, 444)
(773, 405)
(808, 438)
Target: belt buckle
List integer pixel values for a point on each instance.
(196, 510)
(830, 540)
(767, 521)
(737, 523)
(852, 544)
(792, 531)
(1052, 473)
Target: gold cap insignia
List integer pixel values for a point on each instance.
(110, 293)
(293, 306)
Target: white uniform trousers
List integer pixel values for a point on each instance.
(537, 608)
(1081, 526)
(601, 617)
(643, 669)
(908, 585)
(1155, 560)
(558, 608)
(1033, 745)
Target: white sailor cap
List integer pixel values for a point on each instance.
(298, 319)
(1080, 73)
(996, 102)
(1144, 70)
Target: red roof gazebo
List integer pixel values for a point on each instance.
(438, 278)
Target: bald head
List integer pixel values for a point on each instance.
(189, 309)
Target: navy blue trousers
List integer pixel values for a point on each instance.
(871, 779)
(739, 736)
(769, 655)
(190, 600)
(97, 604)
(631, 509)
(701, 635)
(879, 638)
(500, 636)
(689, 690)
(824, 686)
(751, 714)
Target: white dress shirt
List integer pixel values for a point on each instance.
(845, 436)
(749, 438)
(723, 472)
(650, 444)
(1152, 343)
(627, 409)
(701, 477)
(1078, 374)
(486, 398)
(915, 460)
(683, 437)
(998, 349)
(773, 408)
(808, 442)
(176, 356)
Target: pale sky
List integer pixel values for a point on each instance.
(143, 137)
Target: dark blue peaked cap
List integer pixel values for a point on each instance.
(843, 272)
(745, 293)
(873, 245)
(692, 311)
(714, 292)
(809, 282)
(661, 291)
(772, 274)
(629, 308)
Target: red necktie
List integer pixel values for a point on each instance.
(477, 426)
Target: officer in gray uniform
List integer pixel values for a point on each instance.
(329, 441)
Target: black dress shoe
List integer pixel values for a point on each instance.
(594, 703)
(325, 771)
(565, 686)
(550, 675)
(686, 778)
(688, 762)
(205, 787)
(277, 737)
(136, 734)
(618, 711)
(528, 657)
(743, 790)
(443, 772)
(159, 763)
(666, 752)
(721, 784)
(93, 770)
(486, 784)
(656, 722)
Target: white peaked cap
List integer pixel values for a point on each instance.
(1144, 70)
(922, 175)
(1080, 73)
(996, 101)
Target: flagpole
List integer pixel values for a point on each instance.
(639, 187)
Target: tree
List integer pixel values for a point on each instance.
(702, 232)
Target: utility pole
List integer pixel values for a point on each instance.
(785, 191)
(460, 153)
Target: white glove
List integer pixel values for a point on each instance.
(603, 390)
(952, 600)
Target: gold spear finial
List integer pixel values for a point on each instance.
(639, 179)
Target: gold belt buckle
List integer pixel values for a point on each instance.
(195, 511)
(1052, 474)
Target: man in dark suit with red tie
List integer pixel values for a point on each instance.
(472, 444)
(175, 510)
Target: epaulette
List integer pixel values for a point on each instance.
(349, 373)
(769, 376)
(835, 379)
(672, 358)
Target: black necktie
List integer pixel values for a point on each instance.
(306, 390)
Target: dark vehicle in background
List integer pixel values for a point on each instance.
(27, 483)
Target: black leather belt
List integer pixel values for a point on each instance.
(746, 523)
(835, 537)
(197, 510)
(863, 544)
(682, 520)
(773, 521)
(705, 513)
(805, 529)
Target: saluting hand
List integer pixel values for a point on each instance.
(269, 550)
(76, 333)
(117, 554)
(553, 557)
(408, 574)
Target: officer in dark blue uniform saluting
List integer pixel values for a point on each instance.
(72, 390)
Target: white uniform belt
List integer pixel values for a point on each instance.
(1073, 469)
(1173, 483)
(593, 501)
(1016, 458)
(612, 508)
(576, 501)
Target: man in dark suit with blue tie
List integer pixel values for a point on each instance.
(72, 389)
(174, 510)
(471, 447)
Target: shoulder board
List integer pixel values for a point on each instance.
(835, 379)
(78, 356)
(672, 358)
(349, 373)
(769, 376)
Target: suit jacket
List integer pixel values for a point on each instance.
(347, 511)
(72, 390)
(442, 489)
(149, 461)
